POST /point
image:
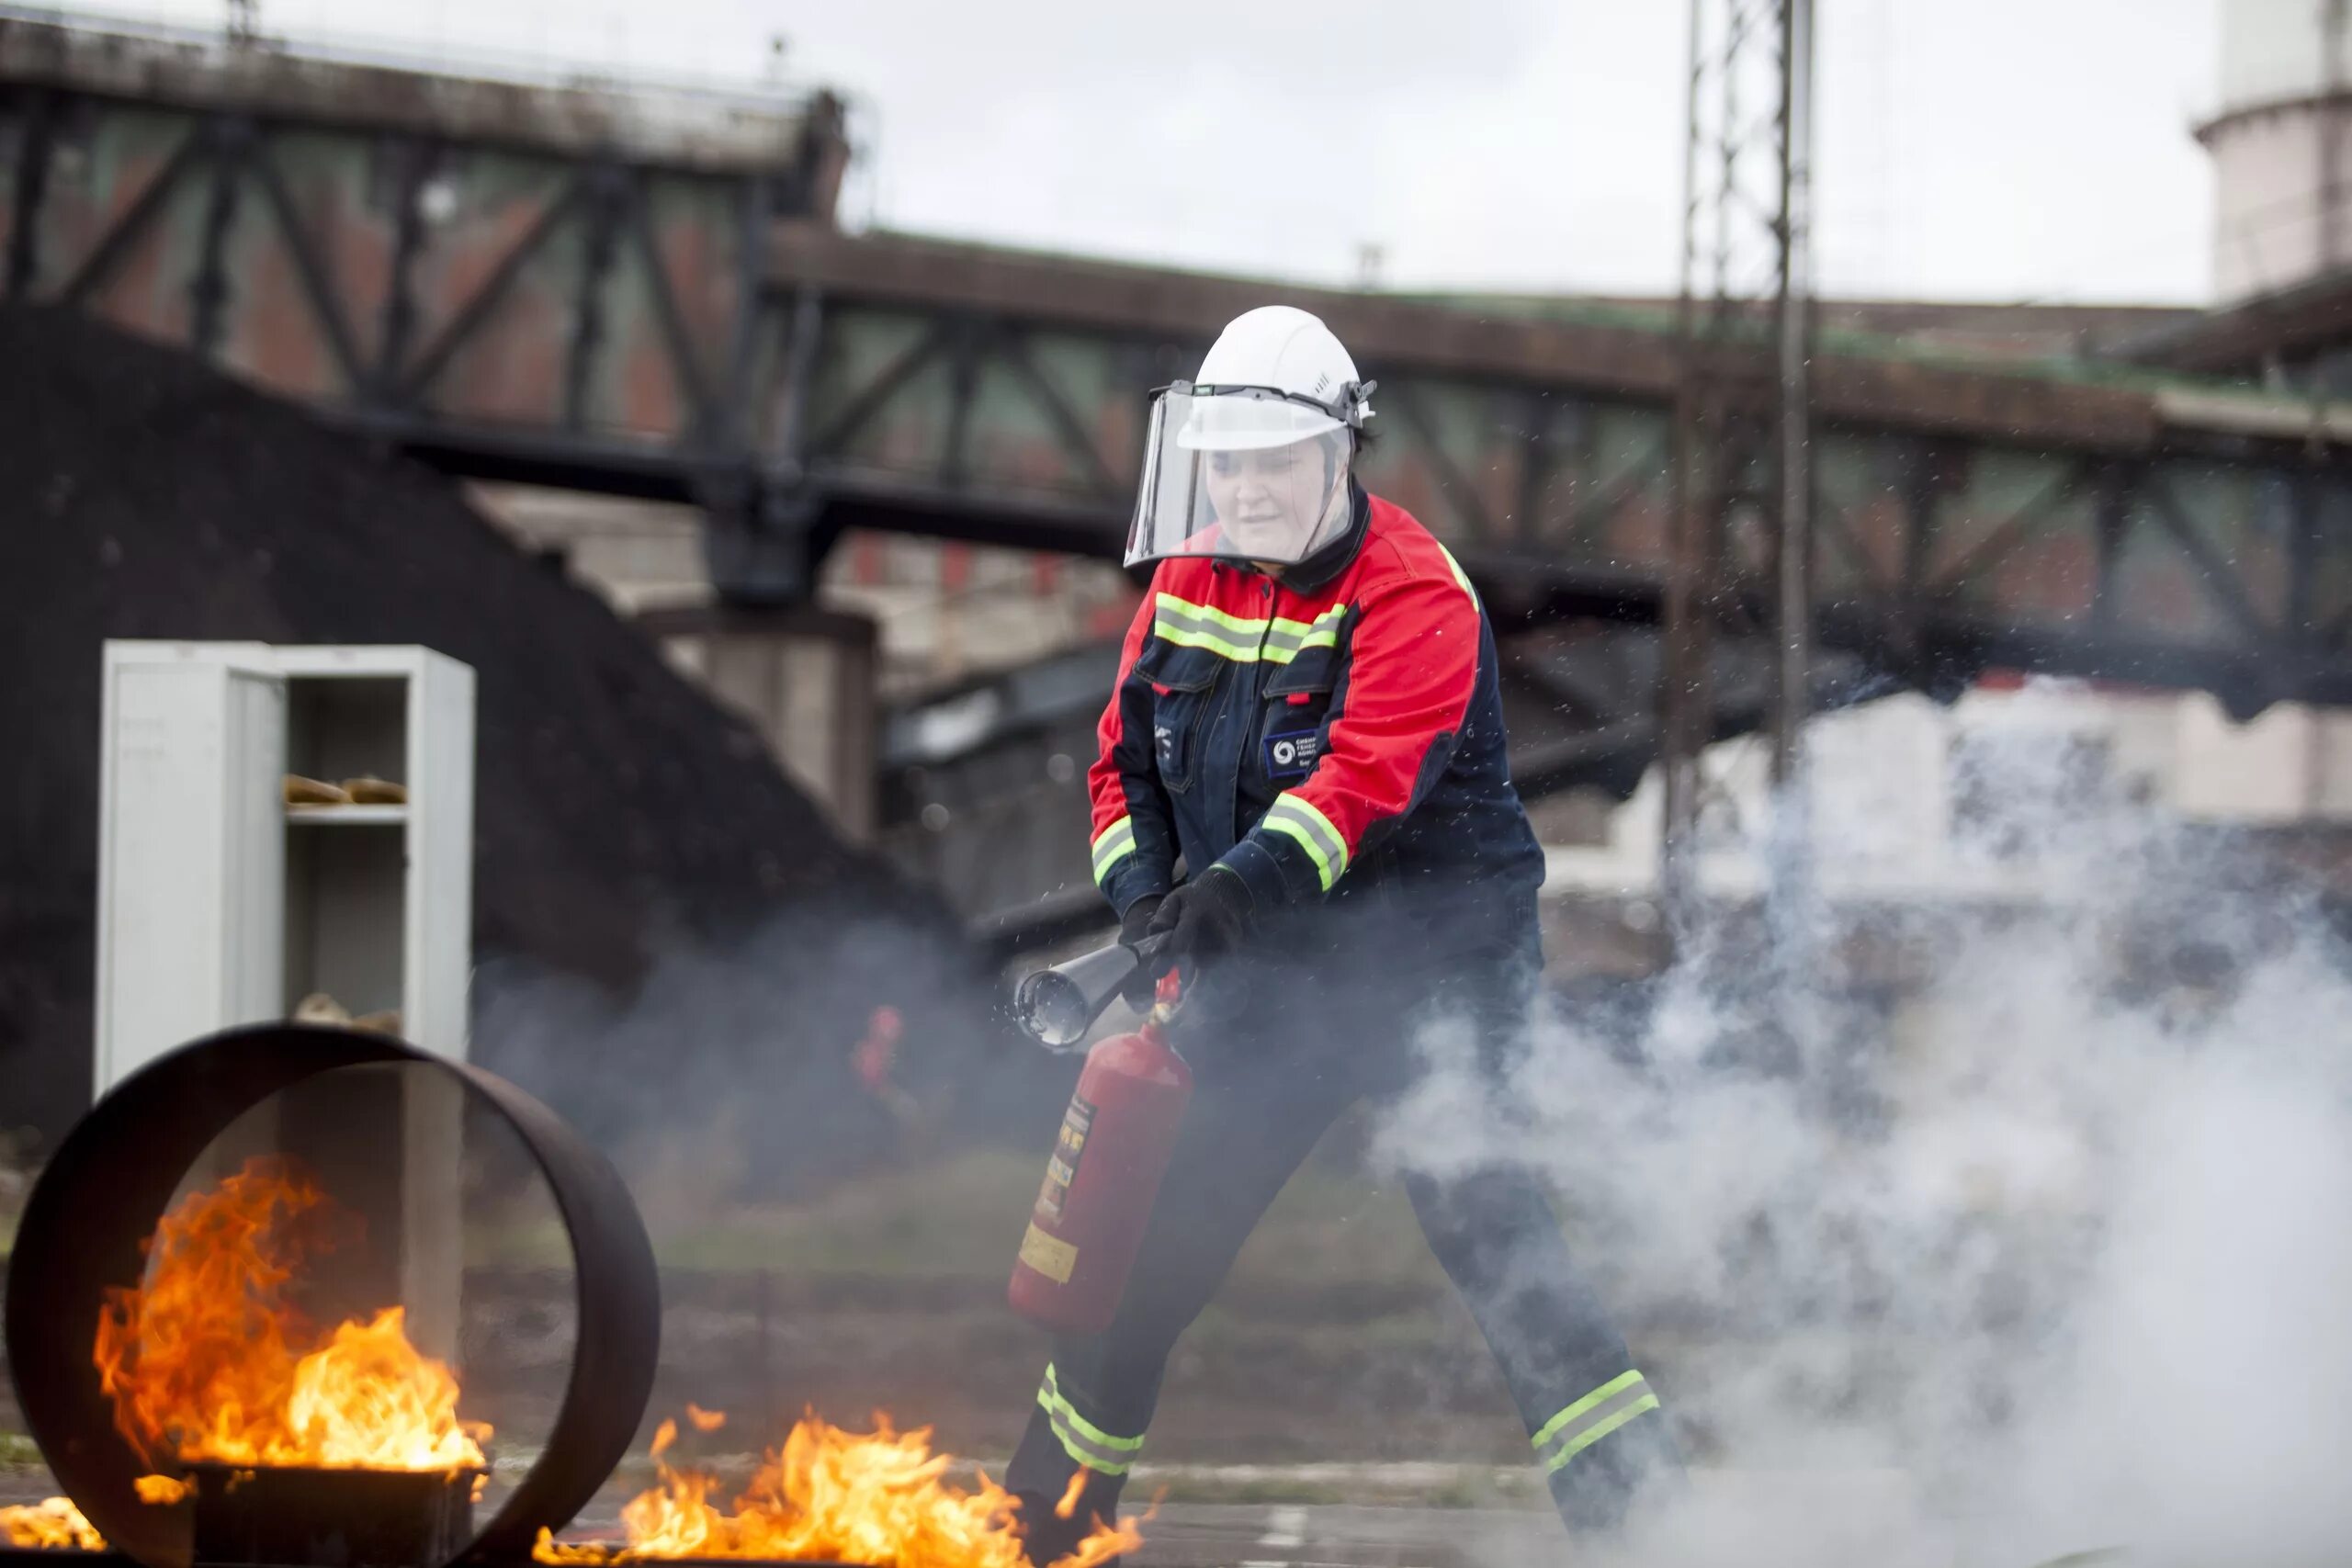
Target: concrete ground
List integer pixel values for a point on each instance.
(1209, 1535)
(1732, 1518)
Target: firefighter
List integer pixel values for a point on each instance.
(1308, 717)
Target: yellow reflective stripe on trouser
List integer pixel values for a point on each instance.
(1296, 818)
(1081, 1439)
(1593, 1418)
(1111, 845)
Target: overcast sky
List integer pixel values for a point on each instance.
(2004, 149)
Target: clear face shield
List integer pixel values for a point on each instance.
(1247, 473)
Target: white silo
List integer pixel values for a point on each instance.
(2281, 144)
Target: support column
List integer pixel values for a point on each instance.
(803, 677)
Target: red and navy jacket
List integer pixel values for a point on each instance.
(1331, 734)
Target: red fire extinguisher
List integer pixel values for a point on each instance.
(1103, 1175)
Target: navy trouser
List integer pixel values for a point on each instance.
(1267, 1084)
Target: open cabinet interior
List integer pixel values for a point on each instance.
(346, 865)
(344, 893)
(347, 727)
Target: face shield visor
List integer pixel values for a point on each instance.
(1243, 472)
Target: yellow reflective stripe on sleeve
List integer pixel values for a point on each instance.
(1306, 840)
(1111, 845)
(1086, 1443)
(1593, 1418)
(1296, 818)
(1460, 576)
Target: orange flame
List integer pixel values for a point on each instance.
(208, 1361)
(833, 1496)
(51, 1522)
(56, 1523)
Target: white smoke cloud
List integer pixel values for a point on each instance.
(2050, 1252)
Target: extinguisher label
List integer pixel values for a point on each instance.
(1061, 1168)
(1053, 1259)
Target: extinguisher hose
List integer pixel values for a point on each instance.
(1166, 1000)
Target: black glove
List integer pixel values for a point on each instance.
(1197, 924)
(1136, 922)
(1133, 927)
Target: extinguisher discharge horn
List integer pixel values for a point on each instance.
(1057, 1006)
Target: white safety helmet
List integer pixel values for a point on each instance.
(1251, 460)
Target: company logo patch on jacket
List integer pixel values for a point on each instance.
(1292, 756)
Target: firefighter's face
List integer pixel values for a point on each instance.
(1269, 500)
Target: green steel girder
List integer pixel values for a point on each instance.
(1968, 517)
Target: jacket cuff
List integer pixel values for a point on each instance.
(1135, 878)
(1272, 884)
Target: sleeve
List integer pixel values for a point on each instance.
(1412, 668)
(1133, 835)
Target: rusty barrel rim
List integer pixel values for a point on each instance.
(100, 1197)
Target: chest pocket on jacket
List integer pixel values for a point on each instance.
(1292, 729)
(1184, 684)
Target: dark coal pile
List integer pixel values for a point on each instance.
(621, 815)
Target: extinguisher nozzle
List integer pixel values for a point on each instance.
(1057, 1006)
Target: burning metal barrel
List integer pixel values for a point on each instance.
(81, 1251)
(331, 1519)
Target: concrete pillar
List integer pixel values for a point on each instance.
(803, 677)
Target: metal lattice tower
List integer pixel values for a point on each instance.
(1742, 516)
(2334, 22)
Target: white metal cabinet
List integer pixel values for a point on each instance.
(220, 905)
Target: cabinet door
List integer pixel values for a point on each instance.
(191, 850)
(440, 916)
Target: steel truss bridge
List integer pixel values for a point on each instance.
(528, 284)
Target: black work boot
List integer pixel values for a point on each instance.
(1048, 1536)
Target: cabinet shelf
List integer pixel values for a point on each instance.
(345, 815)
